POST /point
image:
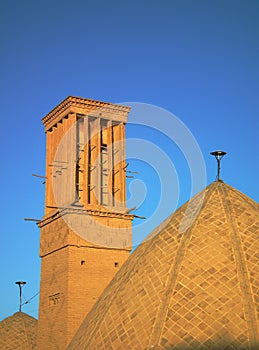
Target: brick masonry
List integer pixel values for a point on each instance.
(192, 285)
(83, 243)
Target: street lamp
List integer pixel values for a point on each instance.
(20, 284)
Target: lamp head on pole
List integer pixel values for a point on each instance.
(20, 283)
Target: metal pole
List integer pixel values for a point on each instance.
(20, 284)
(20, 307)
(218, 155)
(218, 160)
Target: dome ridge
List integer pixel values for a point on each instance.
(24, 325)
(241, 266)
(18, 331)
(191, 284)
(172, 276)
(242, 196)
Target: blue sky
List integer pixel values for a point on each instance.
(196, 59)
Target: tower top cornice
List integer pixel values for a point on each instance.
(80, 105)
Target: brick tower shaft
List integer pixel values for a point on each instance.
(85, 234)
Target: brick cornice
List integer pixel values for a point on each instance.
(81, 211)
(73, 104)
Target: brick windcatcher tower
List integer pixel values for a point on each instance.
(85, 234)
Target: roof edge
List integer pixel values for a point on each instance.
(86, 104)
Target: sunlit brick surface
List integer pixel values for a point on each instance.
(85, 234)
(18, 332)
(196, 289)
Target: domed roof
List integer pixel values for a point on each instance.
(18, 332)
(192, 285)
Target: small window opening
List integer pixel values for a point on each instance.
(82, 262)
(116, 264)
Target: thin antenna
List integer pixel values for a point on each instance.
(31, 219)
(40, 176)
(218, 155)
(20, 284)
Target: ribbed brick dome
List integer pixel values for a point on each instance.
(18, 332)
(192, 285)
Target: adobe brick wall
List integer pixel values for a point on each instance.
(71, 281)
(81, 246)
(75, 271)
